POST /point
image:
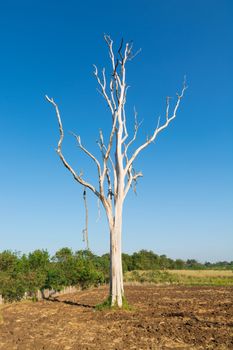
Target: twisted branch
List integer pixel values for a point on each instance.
(77, 177)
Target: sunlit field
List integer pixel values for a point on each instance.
(182, 277)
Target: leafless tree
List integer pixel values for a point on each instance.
(116, 172)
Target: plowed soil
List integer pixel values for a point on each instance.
(168, 317)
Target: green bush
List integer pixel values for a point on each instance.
(12, 289)
(55, 279)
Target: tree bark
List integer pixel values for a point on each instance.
(116, 273)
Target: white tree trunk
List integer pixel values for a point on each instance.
(116, 273)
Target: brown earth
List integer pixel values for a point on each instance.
(168, 317)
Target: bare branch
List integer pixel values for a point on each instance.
(124, 126)
(168, 106)
(129, 55)
(120, 48)
(113, 131)
(105, 171)
(114, 171)
(77, 177)
(132, 178)
(135, 182)
(109, 183)
(124, 116)
(134, 55)
(109, 42)
(158, 129)
(136, 127)
(78, 139)
(103, 87)
(112, 90)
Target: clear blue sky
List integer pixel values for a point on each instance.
(184, 204)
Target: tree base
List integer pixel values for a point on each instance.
(107, 305)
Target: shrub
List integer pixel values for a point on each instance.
(12, 289)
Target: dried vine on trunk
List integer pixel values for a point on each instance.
(85, 230)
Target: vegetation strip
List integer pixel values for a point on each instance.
(20, 273)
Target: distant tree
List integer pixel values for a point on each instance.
(207, 264)
(104, 265)
(39, 259)
(145, 260)
(179, 264)
(127, 262)
(8, 261)
(63, 255)
(12, 288)
(55, 278)
(163, 262)
(116, 174)
(194, 264)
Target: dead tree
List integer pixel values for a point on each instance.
(116, 172)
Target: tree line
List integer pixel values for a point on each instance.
(20, 273)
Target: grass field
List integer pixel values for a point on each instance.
(182, 277)
(203, 273)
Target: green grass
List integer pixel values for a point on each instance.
(186, 278)
(106, 305)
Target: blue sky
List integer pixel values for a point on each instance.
(184, 203)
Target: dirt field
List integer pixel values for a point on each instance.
(167, 317)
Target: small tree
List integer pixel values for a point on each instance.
(116, 173)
